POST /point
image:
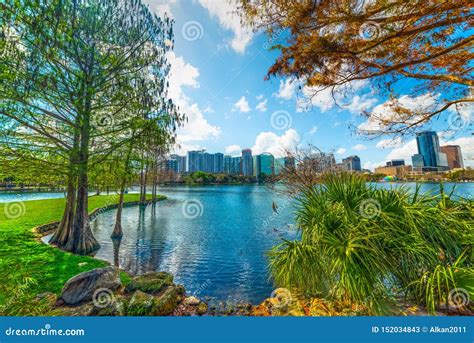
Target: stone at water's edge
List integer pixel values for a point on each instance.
(151, 283)
(166, 303)
(141, 304)
(81, 287)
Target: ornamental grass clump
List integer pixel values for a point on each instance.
(378, 248)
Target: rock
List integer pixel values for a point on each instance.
(71, 311)
(116, 307)
(81, 287)
(141, 304)
(192, 301)
(166, 303)
(151, 283)
(181, 293)
(201, 308)
(279, 307)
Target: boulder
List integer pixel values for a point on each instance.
(151, 283)
(72, 311)
(114, 308)
(201, 308)
(192, 301)
(141, 304)
(81, 287)
(166, 303)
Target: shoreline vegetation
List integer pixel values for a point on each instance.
(39, 272)
(235, 182)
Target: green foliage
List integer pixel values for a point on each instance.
(29, 267)
(366, 246)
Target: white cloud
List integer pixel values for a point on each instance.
(260, 97)
(233, 149)
(359, 147)
(371, 165)
(403, 152)
(182, 75)
(225, 11)
(341, 151)
(160, 7)
(262, 106)
(197, 128)
(389, 143)
(313, 130)
(242, 105)
(274, 144)
(326, 98)
(385, 113)
(287, 89)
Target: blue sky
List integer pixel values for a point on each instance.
(217, 79)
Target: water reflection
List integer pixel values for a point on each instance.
(221, 254)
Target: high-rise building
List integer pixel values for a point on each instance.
(256, 165)
(453, 156)
(266, 164)
(247, 162)
(352, 163)
(320, 162)
(417, 161)
(227, 163)
(218, 163)
(235, 165)
(193, 161)
(279, 165)
(428, 147)
(180, 163)
(207, 162)
(395, 163)
(172, 165)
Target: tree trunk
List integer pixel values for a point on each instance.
(118, 233)
(63, 232)
(116, 243)
(143, 186)
(153, 190)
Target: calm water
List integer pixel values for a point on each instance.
(213, 239)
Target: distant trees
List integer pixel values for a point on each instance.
(330, 45)
(78, 78)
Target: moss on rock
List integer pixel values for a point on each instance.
(141, 304)
(151, 283)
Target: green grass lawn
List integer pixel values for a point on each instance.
(29, 267)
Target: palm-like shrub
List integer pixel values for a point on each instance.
(369, 247)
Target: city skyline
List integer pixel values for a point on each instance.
(230, 106)
(430, 156)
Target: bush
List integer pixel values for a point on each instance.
(363, 246)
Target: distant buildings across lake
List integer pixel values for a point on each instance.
(250, 165)
(430, 157)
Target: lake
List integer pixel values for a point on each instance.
(213, 239)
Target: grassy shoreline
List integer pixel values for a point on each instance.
(29, 267)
